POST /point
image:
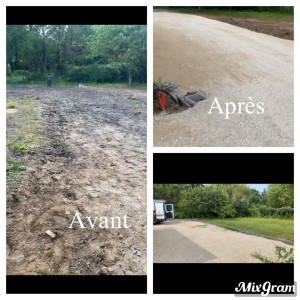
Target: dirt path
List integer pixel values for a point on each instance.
(92, 160)
(230, 63)
(279, 27)
(198, 242)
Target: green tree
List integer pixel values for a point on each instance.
(123, 44)
(204, 201)
(255, 197)
(16, 38)
(280, 195)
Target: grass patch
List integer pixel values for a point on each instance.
(23, 135)
(63, 83)
(275, 228)
(229, 13)
(10, 106)
(283, 256)
(21, 147)
(13, 169)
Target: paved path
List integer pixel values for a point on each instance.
(230, 63)
(198, 242)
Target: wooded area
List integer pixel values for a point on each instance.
(77, 53)
(227, 200)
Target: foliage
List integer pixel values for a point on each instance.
(283, 256)
(280, 195)
(225, 200)
(204, 201)
(13, 169)
(80, 53)
(21, 147)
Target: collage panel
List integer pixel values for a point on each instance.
(76, 150)
(223, 76)
(214, 212)
(85, 171)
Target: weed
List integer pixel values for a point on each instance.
(283, 256)
(10, 106)
(21, 147)
(13, 169)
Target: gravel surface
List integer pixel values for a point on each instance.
(230, 63)
(198, 242)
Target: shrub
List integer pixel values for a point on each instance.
(35, 76)
(263, 210)
(253, 212)
(227, 212)
(95, 73)
(241, 208)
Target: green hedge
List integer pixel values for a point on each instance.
(96, 73)
(264, 211)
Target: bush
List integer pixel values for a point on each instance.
(253, 212)
(263, 210)
(283, 213)
(227, 212)
(78, 74)
(35, 76)
(241, 208)
(95, 73)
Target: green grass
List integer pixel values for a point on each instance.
(21, 147)
(229, 13)
(10, 81)
(275, 228)
(13, 169)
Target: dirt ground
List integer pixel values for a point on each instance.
(90, 157)
(279, 27)
(229, 63)
(185, 241)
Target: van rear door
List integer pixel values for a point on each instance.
(169, 211)
(160, 213)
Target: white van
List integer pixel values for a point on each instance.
(162, 211)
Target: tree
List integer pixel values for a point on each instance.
(204, 201)
(255, 197)
(16, 37)
(280, 195)
(124, 44)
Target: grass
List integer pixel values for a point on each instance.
(275, 228)
(21, 147)
(11, 81)
(229, 13)
(13, 169)
(23, 135)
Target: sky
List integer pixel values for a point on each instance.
(259, 187)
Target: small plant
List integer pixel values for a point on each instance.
(283, 256)
(13, 169)
(21, 147)
(10, 106)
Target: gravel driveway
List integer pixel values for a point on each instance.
(198, 242)
(230, 63)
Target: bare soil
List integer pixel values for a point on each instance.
(278, 27)
(91, 159)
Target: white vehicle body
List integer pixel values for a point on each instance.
(162, 211)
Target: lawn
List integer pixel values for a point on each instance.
(275, 228)
(16, 81)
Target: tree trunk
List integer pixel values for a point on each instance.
(129, 77)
